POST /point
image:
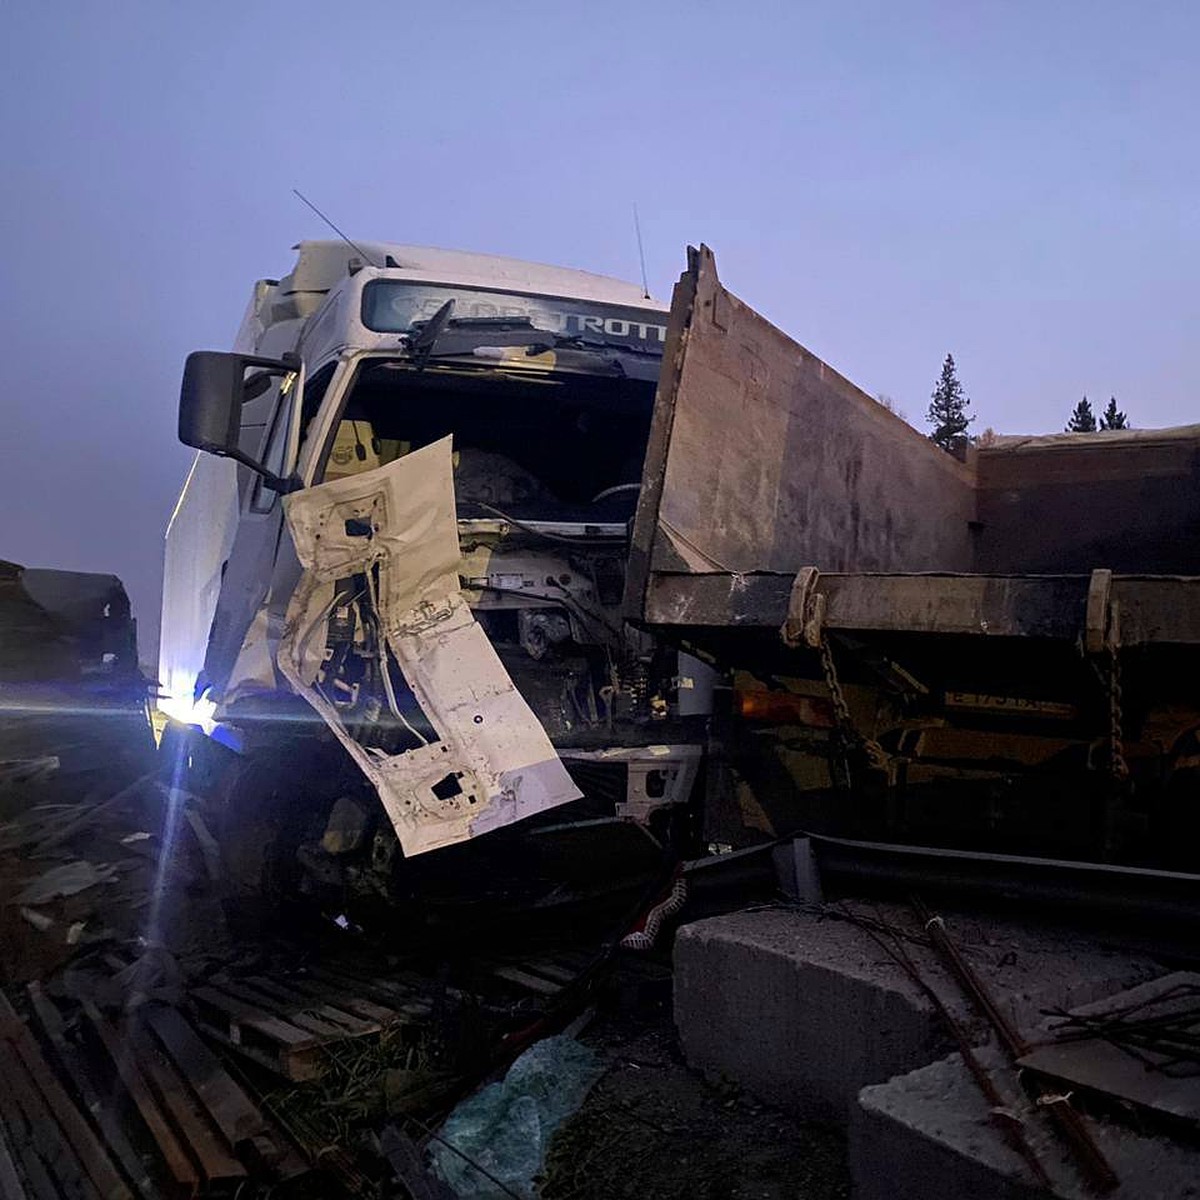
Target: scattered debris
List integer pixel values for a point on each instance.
(493, 1144)
(1090, 1158)
(65, 880)
(27, 772)
(51, 1148)
(1140, 1047)
(407, 1162)
(38, 920)
(288, 1028)
(159, 1057)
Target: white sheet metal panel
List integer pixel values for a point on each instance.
(487, 734)
(199, 539)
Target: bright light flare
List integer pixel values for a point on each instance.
(179, 706)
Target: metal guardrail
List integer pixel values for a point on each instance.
(1154, 909)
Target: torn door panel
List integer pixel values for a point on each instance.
(381, 642)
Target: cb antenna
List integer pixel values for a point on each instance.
(637, 228)
(300, 196)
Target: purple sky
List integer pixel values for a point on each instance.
(1016, 183)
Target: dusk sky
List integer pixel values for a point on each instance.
(1016, 183)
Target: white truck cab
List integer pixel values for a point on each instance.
(407, 526)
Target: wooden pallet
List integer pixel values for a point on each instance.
(68, 1059)
(205, 1126)
(288, 1023)
(48, 1149)
(546, 978)
(289, 1027)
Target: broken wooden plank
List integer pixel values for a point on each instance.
(553, 971)
(260, 1143)
(11, 1187)
(299, 1066)
(232, 1111)
(71, 1062)
(47, 1155)
(210, 851)
(248, 1015)
(289, 999)
(393, 993)
(85, 1145)
(305, 1019)
(277, 1045)
(20, 1134)
(35, 824)
(526, 980)
(357, 1005)
(173, 1153)
(217, 1164)
(93, 811)
(408, 1163)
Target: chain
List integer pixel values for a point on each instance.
(841, 710)
(875, 753)
(1116, 749)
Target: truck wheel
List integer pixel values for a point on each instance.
(263, 808)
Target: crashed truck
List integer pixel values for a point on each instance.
(481, 547)
(394, 579)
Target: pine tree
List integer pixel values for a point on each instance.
(1083, 420)
(948, 410)
(1113, 417)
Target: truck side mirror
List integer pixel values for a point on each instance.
(215, 386)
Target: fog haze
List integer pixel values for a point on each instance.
(1016, 184)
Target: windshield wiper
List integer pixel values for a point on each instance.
(422, 345)
(444, 336)
(578, 341)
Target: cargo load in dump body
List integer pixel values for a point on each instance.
(1003, 649)
(397, 565)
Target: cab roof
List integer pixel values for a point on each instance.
(320, 265)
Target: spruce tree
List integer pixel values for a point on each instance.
(1113, 417)
(948, 410)
(1083, 420)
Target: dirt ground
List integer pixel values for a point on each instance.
(652, 1129)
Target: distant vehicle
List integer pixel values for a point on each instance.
(73, 696)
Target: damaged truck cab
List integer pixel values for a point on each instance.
(403, 545)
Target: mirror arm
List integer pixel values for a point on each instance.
(275, 482)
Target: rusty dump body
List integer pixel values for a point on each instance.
(1002, 648)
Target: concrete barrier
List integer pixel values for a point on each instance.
(805, 1010)
(929, 1133)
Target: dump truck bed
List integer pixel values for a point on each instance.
(999, 652)
(764, 462)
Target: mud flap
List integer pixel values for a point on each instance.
(489, 762)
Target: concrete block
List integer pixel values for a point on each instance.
(929, 1133)
(797, 1010)
(804, 1010)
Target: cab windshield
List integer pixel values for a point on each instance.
(543, 444)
